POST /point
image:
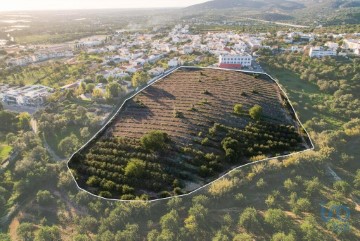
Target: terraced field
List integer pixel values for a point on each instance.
(196, 136)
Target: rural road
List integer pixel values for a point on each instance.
(279, 23)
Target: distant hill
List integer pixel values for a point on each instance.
(302, 11)
(250, 4)
(274, 5)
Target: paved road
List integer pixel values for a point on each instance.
(280, 23)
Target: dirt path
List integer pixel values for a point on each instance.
(33, 125)
(51, 151)
(12, 229)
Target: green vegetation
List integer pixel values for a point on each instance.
(240, 206)
(5, 151)
(140, 78)
(155, 141)
(65, 124)
(238, 108)
(156, 164)
(256, 112)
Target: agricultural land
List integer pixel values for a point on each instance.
(185, 131)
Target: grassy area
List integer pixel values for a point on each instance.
(304, 95)
(5, 151)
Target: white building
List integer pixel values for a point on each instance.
(319, 52)
(235, 60)
(89, 43)
(332, 45)
(352, 44)
(156, 71)
(173, 63)
(33, 95)
(188, 49)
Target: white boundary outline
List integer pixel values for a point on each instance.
(208, 184)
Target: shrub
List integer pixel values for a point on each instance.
(290, 185)
(164, 194)
(238, 108)
(127, 197)
(105, 194)
(155, 140)
(261, 183)
(205, 141)
(135, 168)
(206, 92)
(255, 112)
(276, 218)
(302, 205)
(248, 219)
(342, 188)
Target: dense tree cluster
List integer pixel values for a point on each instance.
(337, 77)
(118, 167)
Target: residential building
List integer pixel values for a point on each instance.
(33, 95)
(332, 45)
(156, 71)
(319, 52)
(235, 61)
(352, 44)
(173, 63)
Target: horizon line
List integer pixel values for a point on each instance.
(85, 9)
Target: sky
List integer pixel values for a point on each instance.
(19, 5)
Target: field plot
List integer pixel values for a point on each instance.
(185, 131)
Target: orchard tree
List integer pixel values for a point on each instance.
(238, 108)
(155, 140)
(256, 112)
(135, 168)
